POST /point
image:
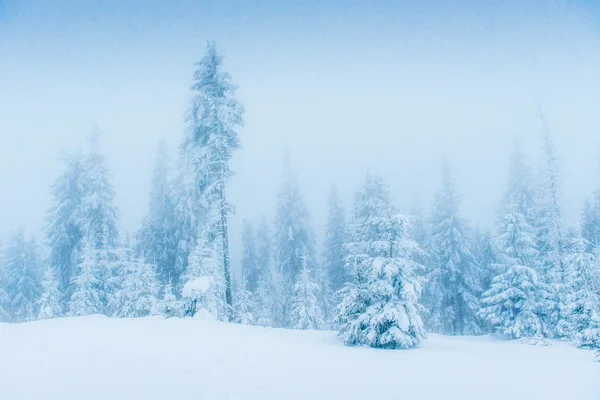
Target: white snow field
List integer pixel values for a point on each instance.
(95, 357)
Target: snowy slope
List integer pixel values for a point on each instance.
(152, 358)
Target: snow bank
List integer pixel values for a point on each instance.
(201, 284)
(152, 358)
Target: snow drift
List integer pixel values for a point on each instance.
(152, 358)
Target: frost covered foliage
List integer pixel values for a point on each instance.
(213, 119)
(209, 293)
(156, 238)
(293, 235)
(22, 278)
(169, 306)
(454, 282)
(82, 209)
(306, 313)
(582, 308)
(88, 295)
(137, 290)
(335, 237)
(379, 306)
(250, 265)
(49, 303)
(4, 316)
(269, 297)
(244, 305)
(551, 237)
(487, 256)
(63, 222)
(98, 213)
(511, 305)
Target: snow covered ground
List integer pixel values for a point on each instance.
(152, 358)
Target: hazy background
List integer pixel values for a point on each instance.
(383, 86)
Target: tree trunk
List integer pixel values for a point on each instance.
(228, 297)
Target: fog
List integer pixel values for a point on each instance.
(348, 87)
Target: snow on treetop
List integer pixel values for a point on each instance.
(200, 284)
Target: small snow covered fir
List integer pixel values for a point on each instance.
(306, 313)
(50, 301)
(168, 305)
(243, 304)
(512, 303)
(205, 285)
(380, 306)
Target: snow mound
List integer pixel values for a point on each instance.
(201, 284)
(99, 358)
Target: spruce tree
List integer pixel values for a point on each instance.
(306, 313)
(264, 245)
(269, 297)
(4, 315)
(250, 266)
(293, 235)
(98, 214)
(88, 295)
(380, 306)
(137, 293)
(511, 304)
(551, 238)
(204, 263)
(244, 304)
(487, 255)
(169, 306)
(156, 238)
(213, 119)
(582, 309)
(454, 283)
(50, 302)
(63, 230)
(335, 237)
(23, 278)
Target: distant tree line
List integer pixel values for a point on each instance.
(383, 279)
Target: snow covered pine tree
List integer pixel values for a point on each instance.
(380, 306)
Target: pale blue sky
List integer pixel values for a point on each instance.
(350, 86)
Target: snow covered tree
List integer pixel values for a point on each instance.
(23, 278)
(137, 293)
(516, 237)
(243, 305)
(520, 193)
(98, 213)
(156, 238)
(264, 247)
(551, 236)
(4, 314)
(250, 266)
(454, 283)
(213, 119)
(511, 305)
(335, 237)
(50, 302)
(204, 264)
(582, 305)
(63, 229)
(590, 222)
(487, 255)
(293, 235)
(380, 306)
(420, 234)
(306, 313)
(269, 297)
(169, 306)
(88, 296)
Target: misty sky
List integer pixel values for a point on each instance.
(383, 86)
